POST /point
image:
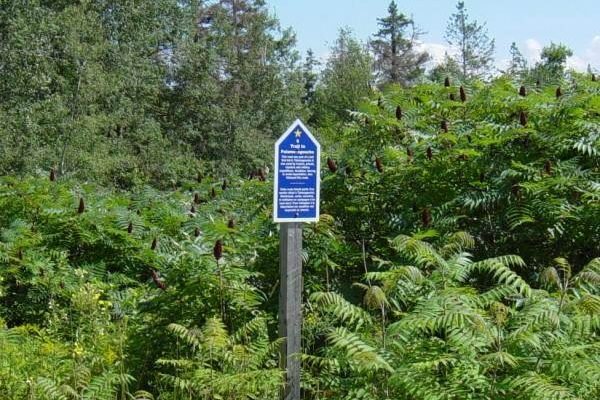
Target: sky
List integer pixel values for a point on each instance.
(532, 24)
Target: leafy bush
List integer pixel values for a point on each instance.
(456, 257)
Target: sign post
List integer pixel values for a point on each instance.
(295, 200)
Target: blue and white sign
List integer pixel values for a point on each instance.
(297, 176)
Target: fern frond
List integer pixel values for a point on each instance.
(183, 363)
(321, 363)
(361, 354)
(589, 304)
(341, 308)
(176, 382)
(589, 276)
(101, 387)
(50, 389)
(188, 336)
(499, 269)
(255, 327)
(214, 334)
(142, 395)
(375, 297)
(423, 254)
(500, 359)
(394, 274)
(532, 385)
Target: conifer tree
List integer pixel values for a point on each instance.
(310, 77)
(517, 64)
(475, 49)
(396, 58)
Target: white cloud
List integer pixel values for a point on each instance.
(533, 50)
(437, 52)
(591, 55)
(578, 62)
(503, 64)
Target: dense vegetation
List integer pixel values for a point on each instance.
(457, 255)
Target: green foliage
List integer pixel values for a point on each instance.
(518, 63)
(452, 165)
(554, 59)
(128, 93)
(240, 366)
(345, 80)
(447, 314)
(450, 336)
(457, 256)
(236, 83)
(101, 297)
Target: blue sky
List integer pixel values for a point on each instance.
(530, 23)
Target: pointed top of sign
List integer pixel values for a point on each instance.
(294, 127)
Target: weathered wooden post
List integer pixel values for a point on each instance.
(290, 305)
(295, 200)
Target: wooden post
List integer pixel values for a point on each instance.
(290, 306)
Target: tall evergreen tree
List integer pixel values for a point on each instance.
(475, 49)
(396, 58)
(310, 76)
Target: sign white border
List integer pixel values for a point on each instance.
(276, 175)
